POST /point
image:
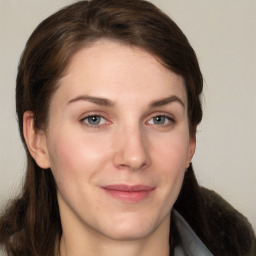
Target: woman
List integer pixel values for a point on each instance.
(108, 101)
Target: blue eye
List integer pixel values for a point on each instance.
(160, 120)
(94, 120)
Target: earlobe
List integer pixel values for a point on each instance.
(35, 140)
(192, 148)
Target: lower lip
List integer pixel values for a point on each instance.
(129, 196)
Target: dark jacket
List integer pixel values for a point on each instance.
(229, 231)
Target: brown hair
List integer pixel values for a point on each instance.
(31, 224)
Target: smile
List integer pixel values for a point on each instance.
(129, 193)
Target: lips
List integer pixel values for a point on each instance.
(127, 193)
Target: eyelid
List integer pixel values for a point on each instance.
(86, 116)
(170, 118)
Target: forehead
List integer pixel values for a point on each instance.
(109, 68)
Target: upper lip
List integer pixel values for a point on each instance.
(129, 188)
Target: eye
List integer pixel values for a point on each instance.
(94, 120)
(160, 120)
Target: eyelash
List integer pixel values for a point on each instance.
(171, 121)
(84, 122)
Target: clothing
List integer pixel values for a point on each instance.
(227, 232)
(190, 244)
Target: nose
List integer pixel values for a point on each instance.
(131, 149)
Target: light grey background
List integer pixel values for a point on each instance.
(223, 33)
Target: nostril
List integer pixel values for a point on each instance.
(132, 162)
(131, 150)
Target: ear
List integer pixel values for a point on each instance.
(35, 140)
(191, 150)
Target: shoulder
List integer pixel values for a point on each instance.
(232, 231)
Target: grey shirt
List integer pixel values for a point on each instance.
(190, 244)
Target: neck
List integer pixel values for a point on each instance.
(91, 243)
(114, 249)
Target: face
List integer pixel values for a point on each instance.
(118, 141)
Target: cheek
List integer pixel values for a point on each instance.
(171, 152)
(74, 157)
(170, 158)
(172, 162)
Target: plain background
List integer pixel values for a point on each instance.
(223, 34)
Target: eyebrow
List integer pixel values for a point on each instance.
(108, 103)
(165, 101)
(96, 100)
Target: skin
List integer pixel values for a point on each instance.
(131, 137)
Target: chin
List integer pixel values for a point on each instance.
(129, 234)
(132, 228)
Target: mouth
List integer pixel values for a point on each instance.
(128, 193)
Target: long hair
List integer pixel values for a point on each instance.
(31, 224)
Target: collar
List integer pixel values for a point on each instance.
(190, 244)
